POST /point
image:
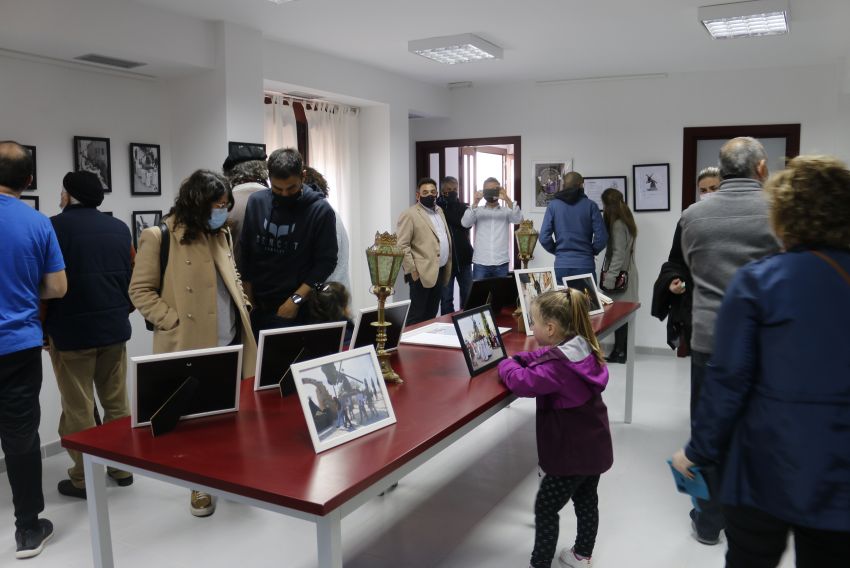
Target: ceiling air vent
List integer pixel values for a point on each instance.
(110, 61)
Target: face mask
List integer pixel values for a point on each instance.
(451, 197)
(428, 201)
(217, 218)
(491, 195)
(287, 201)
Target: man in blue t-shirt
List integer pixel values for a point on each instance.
(31, 268)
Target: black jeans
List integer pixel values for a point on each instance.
(757, 540)
(554, 493)
(20, 414)
(424, 302)
(709, 519)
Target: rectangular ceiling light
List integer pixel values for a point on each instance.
(455, 49)
(745, 19)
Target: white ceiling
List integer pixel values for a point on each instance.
(543, 40)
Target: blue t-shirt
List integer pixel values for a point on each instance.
(28, 250)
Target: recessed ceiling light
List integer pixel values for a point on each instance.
(455, 49)
(280, 1)
(745, 19)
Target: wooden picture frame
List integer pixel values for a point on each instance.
(93, 155)
(480, 339)
(145, 169)
(651, 187)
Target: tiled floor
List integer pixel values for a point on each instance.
(471, 506)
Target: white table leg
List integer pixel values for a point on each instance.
(630, 367)
(101, 539)
(329, 539)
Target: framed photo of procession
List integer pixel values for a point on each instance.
(145, 170)
(480, 339)
(530, 283)
(652, 187)
(92, 155)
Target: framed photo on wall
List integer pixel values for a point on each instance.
(530, 283)
(652, 187)
(343, 397)
(31, 200)
(595, 186)
(34, 184)
(145, 170)
(479, 338)
(92, 155)
(548, 180)
(256, 146)
(141, 221)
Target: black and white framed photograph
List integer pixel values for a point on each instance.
(92, 155)
(586, 284)
(257, 147)
(652, 187)
(145, 170)
(548, 180)
(31, 200)
(34, 184)
(143, 220)
(279, 348)
(530, 283)
(343, 397)
(594, 187)
(480, 339)
(365, 333)
(213, 375)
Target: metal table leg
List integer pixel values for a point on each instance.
(101, 539)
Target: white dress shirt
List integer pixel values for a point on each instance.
(491, 232)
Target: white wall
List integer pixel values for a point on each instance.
(609, 126)
(46, 106)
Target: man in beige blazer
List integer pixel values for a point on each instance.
(424, 237)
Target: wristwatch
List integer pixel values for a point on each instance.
(296, 299)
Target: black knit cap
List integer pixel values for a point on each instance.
(85, 187)
(242, 153)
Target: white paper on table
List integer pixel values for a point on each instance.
(437, 335)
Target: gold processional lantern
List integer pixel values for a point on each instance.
(384, 258)
(526, 240)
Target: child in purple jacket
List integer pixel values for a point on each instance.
(567, 376)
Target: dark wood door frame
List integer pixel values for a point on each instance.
(692, 135)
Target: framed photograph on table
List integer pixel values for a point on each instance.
(92, 155)
(530, 283)
(548, 180)
(652, 187)
(31, 200)
(585, 284)
(141, 221)
(145, 170)
(343, 397)
(480, 339)
(594, 187)
(34, 184)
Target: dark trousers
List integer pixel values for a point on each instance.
(709, 519)
(554, 493)
(268, 319)
(463, 275)
(424, 302)
(562, 271)
(757, 540)
(20, 414)
(621, 337)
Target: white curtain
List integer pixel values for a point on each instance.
(280, 130)
(332, 134)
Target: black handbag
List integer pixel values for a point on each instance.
(621, 283)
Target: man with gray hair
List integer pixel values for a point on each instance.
(718, 236)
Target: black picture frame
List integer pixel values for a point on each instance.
(651, 183)
(366, 334)
(32, 201)
(594, 186)
(476, 342)
(141, 221)
(34, 184)
(93, 155)
(145, 169)
(233, 146)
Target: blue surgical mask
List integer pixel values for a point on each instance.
(217, 218)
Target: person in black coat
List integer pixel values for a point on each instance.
(453, 209)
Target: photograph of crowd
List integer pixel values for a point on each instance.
(480, 339)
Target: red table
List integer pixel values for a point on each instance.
(263, 456)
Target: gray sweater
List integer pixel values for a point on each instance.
(720, 235)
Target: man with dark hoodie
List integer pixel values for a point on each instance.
(288, 244)
(577, 227)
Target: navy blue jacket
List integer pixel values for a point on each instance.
(578, 230)
(95, 311)
(775, 407)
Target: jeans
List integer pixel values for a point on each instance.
(463, 274)
(561, 271)
(709, 520)
(481, 271)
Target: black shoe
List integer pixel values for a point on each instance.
(616, 357)
(66, 487)
(124, 481)
(30, 542)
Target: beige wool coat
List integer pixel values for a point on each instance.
(421, 245)
(184, 312)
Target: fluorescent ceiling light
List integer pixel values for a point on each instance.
(745, 19)
(455, 49)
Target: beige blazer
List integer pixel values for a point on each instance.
(421, 245)
(184, 313)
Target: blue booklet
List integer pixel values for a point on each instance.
(697, 488)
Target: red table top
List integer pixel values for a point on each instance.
(264, 450)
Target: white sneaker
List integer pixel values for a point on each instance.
(569, 560)
(201, 504)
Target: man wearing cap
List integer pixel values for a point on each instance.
(88, 329)
(246, 170)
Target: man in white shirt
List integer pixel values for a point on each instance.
(492, 236)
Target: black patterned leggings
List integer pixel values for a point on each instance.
(554, 493)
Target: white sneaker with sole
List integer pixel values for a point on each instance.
(568, 559)
(201, 504)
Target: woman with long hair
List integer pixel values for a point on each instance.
(620, 270)
(196, 301)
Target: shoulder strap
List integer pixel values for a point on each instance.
(164, 246)
(833, 264)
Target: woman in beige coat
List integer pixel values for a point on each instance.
(200, 302)
(619, 257)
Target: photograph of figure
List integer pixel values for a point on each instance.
(587, 285)
(343, 396)
(480, 339)
(141, 221)
(531, 283)
(145, 174)
(92, 155)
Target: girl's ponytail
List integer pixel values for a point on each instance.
(580, 318)
(571, 310)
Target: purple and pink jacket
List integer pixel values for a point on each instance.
(573, 435)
